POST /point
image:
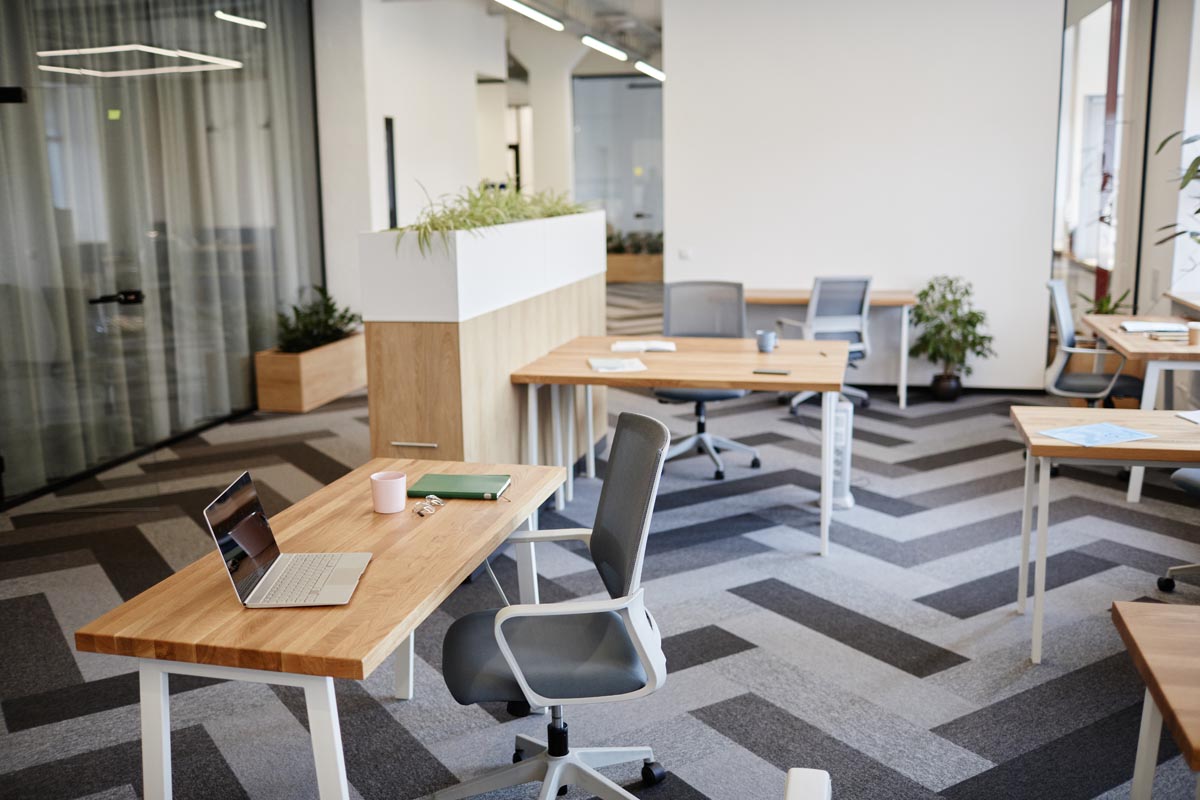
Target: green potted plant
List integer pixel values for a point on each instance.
(1104, 304)
(320, 357)
(951, 333)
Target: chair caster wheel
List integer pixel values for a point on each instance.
(1166, 584)
(519, 708)
(719, 475)
(1053, 472)
(518, 755)
(717, 449)
(782, 400)
(700, 451)
(563, 790)
(652, 773)
(866, 403)
(794, 411)
(756, 463)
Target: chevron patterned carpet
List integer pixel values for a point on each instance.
(897, 663)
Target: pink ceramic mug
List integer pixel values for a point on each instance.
(389, 492)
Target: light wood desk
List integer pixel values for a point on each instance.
(902, 299)
(1162, 359)
(698, 363)
(1176, 444)
(193, 624)
(1164, 643)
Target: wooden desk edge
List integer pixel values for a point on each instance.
(1168, 714)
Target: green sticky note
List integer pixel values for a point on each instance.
(114, 114)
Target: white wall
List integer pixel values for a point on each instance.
(491, 111)
(850, 136)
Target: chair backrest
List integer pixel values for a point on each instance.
(635, 464)
(704, 308)
(1064, 322)
(839, 305)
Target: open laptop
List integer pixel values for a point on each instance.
(261, 575)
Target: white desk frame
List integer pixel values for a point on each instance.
(1043, 525)
(1147, 751)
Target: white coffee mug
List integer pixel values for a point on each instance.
(389, 492)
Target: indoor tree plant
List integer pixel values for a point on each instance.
(319, 358)
(951, 332)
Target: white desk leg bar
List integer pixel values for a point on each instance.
(590, 458)
(1149, 397)
(1147, 750)
(1026, 527)
(828, 407)
(326, 733)
(404, 668)
(156, 732)
(527, 585)
(556, 440)
(902, 387)
(572, 444)
(1039, 568)
(531, 437)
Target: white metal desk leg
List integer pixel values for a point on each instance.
(902, 387)
(1149, 398)
(828, 407)
(571, 443)
(527, 586)
(1026, 526)
(560, 501)
(590, 459)
(326, 738)
(531, 437)
(156, 732)
(1039, 568)
(404, 668)
(1147, 750)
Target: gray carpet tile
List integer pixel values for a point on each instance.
(36, 657)
(700, 646)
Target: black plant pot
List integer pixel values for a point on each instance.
(946, 388)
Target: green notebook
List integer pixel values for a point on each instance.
(466, 487)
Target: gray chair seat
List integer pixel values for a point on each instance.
(568, 656)
(699, 395)
(1187, 479)
(1094, 383)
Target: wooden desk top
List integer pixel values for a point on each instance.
(1176, 440)
(1164, 642)
(195, 616)
(1189, 299)
(698, 363)
(1138, 346)
(881, 298)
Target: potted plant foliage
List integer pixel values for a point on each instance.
(951, 333)
(635, 257)
(320, 357)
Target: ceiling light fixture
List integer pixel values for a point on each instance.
(653, 72)
(604, 47)
(533, 14)
(249, 23)
(208, 63)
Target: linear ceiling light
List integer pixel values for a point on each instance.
(532, 13)
(653, 72)
(603, 47)
(249, 23)
(208, 63)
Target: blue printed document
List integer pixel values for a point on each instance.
(1097, 435)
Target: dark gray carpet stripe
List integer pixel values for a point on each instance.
(1156, 486)
(1077, 766)
(860, 434)
(787, 741)
(700, 646)
(962, 455)
(49, 562)
(718, 490)
(951, 413)
(200, 772)
(673, 788)
(34, 656)
(127, 558)
(996, 590)
(1135, 557)
(383, 760)
(1035, 717)
(968, 490)
(81, 699)
(878, 640)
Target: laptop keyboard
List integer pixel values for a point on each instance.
(302, 580)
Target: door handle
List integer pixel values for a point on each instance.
(132, 297)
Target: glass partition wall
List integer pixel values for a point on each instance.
(158, 205)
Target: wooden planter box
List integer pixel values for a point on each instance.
(300, 382)
(635, 268)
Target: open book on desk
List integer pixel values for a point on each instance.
(1141, 326)
(652, 346)
(616, 364)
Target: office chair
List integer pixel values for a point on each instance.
(705, 308)
(808, 784)
(837, 310)
(560, 654)
(1089, 386)
(1189, 481)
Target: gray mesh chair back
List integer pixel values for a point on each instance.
(1064, 322)
(704, 308)
(635, 464)
(838, 309)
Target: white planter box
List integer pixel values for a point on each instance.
(480, 271)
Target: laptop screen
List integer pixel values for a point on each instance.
(243, 535)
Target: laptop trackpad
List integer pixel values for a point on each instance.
(344, 576)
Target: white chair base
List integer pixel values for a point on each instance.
(709, 443)
(579, 767)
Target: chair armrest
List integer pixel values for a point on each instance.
(639, 624)
(561, 535)
(783, 322)
(1090, 351)
(808, 784)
